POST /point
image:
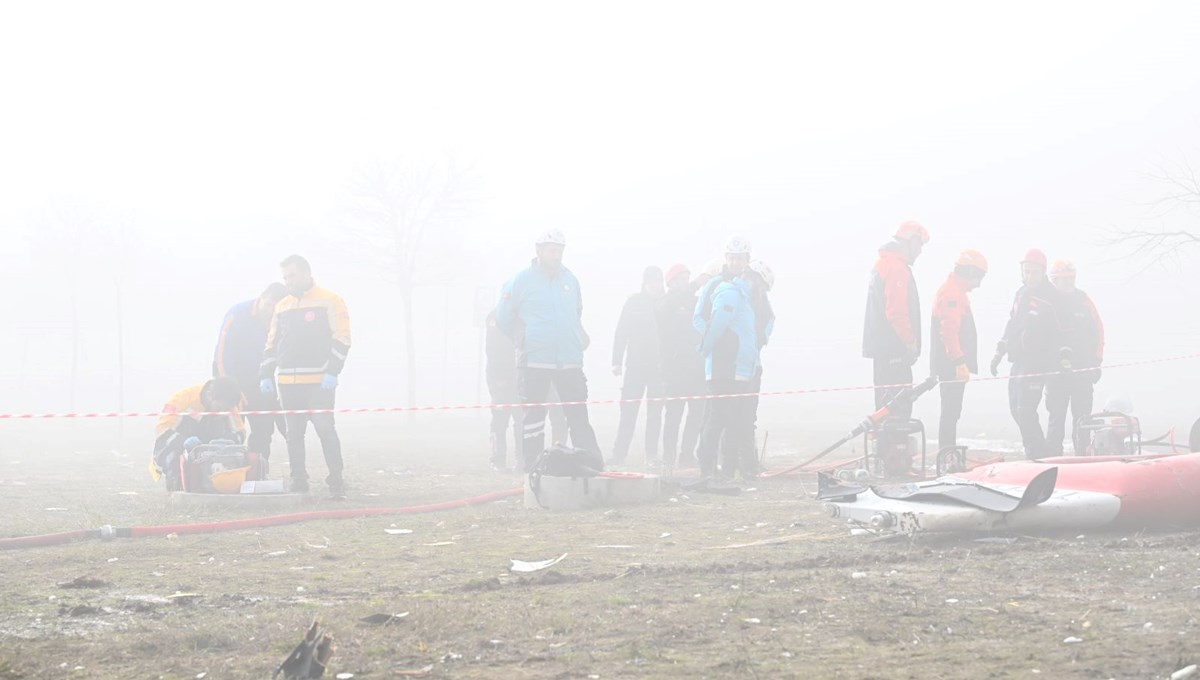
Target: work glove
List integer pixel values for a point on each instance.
(996, 364)
(267, 386)
(329, 381)
(1065, 365)
(191, 443)
(962, 373)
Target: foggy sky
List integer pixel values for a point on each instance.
(222, 136)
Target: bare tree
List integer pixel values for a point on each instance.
(404, 211)
(1163, 246)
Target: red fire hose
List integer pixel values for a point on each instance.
(109, 532)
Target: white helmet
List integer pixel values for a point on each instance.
(553, 236)
(737, 245)
(759, 267)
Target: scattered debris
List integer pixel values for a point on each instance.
(398, 532)
(414, 672)
(309, 659)
(1185, 672)
(620, 547)
(1072, 640)
(84, 582)
(664, 534)
(383, 619)
(344, 676)
(183, 598)
(522, 567)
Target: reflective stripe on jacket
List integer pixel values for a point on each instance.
(309, 337)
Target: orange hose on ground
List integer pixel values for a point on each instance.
(247, 523)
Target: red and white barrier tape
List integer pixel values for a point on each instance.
(590, 402)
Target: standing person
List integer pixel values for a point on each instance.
(954, 343)
(502, 386)
(1083, 349)
(239, 356)
(682, 367)
(541, 308)
(501, 370)
(764, 325)
(892, 329)
(730, 350)
(1032, 341)
(305, 352)
(636, 356)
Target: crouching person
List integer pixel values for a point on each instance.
(181, 427)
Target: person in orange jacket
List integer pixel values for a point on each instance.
(307, 344)
(892, 329)
(1083, 348)
(180, 427)
(954, 343)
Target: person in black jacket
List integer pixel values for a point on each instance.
(1083, 348)
(1032, 339)
(635, 355)
(682, 367)
(239, 356)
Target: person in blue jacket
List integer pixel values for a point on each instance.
(730, 347)
(238, 356)
(541, 308)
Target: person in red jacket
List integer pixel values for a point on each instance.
(954, 343)
(1082, 351)
(892, 329)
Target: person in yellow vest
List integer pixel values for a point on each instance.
(306, 349)
(180, 427)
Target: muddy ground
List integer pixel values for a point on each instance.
(760, 585)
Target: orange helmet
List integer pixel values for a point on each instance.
(972, 258)
(1062, 269)
(910, 229)
(1034, 256)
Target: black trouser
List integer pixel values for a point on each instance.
(639, 382)
(262, 427)
(1073, 390)
(1024, 397)
(952, 402)
(303, 397)
(897, 371)
(533, 387)
(502, 414)
(673, 416)
(726, 427)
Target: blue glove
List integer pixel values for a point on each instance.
(267, 386)
(191, 443)
(329, 381)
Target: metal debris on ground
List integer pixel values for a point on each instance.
(522, 567)
(383, 619)
(310, 658)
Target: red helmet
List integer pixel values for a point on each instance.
(677, 270)
(910, 229)
(1034, 256)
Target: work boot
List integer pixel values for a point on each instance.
(298, 485)
(337, 487)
